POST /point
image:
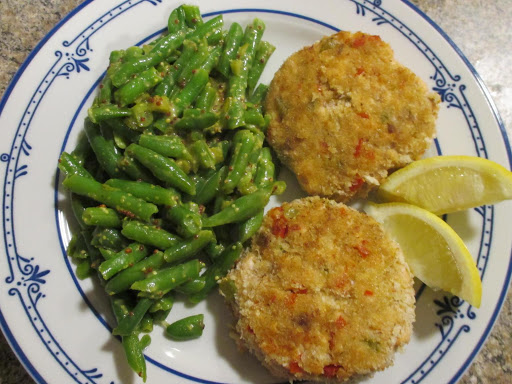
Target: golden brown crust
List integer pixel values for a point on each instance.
(322, 293)
(345, 113)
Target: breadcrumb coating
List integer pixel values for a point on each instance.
(345, 113)
(322, 293)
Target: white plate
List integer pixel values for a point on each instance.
(58, 326)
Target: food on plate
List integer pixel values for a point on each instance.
(173, 172)
(445, 184)
(345, 113)
(433, 250)
(322, 293)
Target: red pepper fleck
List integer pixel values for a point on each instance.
(142, 118)
(359, 41)
(148, 270)
(331, 370)
(359, 71)
(128, 250)
(359, 147)
(302, 291)
(368, 293)
(101, 86)
(340, 322)
(361, 248)
(279, 222)
(364, 115)
(294, 367)
(356, 184)
(250, 330)
(290, 300)
(194, 71)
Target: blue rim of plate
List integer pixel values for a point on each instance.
(362, 7)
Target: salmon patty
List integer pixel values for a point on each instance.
(345, 113)
(322, 293)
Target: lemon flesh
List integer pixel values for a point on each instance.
(433, 250)
(447, 184)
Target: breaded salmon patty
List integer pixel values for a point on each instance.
(345, 113)
(322, 293)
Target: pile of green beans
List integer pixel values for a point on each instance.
(172, 173)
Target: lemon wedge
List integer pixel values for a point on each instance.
(435, 253)
(446, 184)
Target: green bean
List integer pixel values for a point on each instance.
(207, 191)
(107, 111)
(101, 216)
(106, 152)
(69, 165)
(135, 355)
(265, 171)
(145, 324)
(95, 257)
(165, 303)
(169, 146)
(83, 150)
(206, 99)
(160, 51)
(176, 21)
(259, 94)
(138, 85)
(243, 143)
(139, 271)
(192, 287)
(148, 234)
(78, 208)
(121, 133)
(190, 327)
(211, 59)
(254, 117)
(188, 68)
(164, 280)
(189, 93)
(202, 153)
(233, 40)
(218, 270)
(263, 53)
(84, 270)
(188, 247)
(135, 170)
(129, 323)
(150, 192)
(77, 249)
(196, 119)
(105, 92)
(241, 209)
(124, 203)
(106, 252)
(246, 184)
(206, 30)
(163, 168)
(125, 258)
(186, 222)
(192, 15)
(249, 227)
(109, 238)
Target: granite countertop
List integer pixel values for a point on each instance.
(481, 29)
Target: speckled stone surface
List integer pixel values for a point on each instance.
(481, 29)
